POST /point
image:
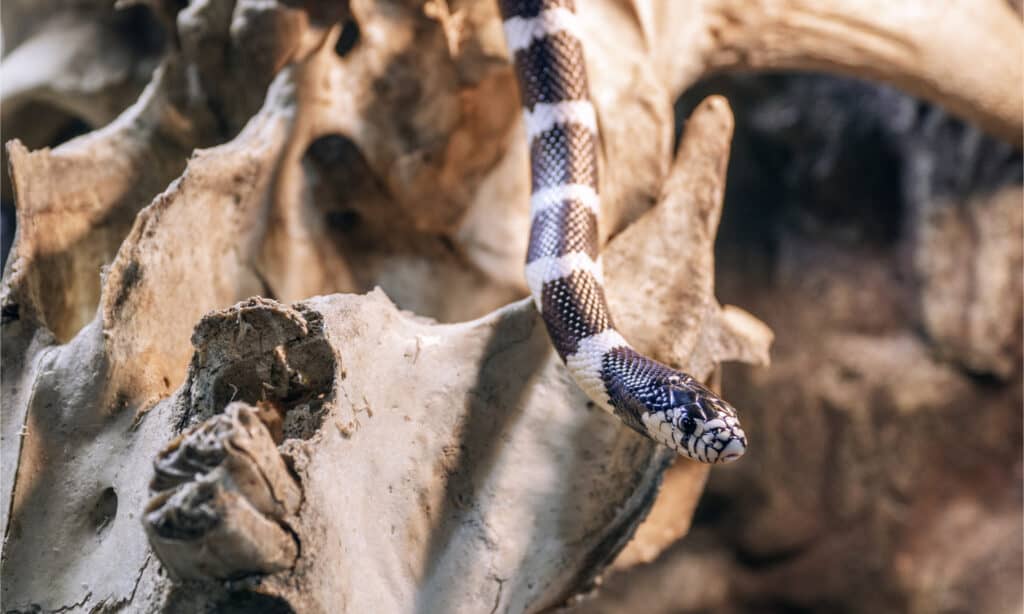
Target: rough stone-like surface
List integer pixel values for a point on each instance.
(223, 496)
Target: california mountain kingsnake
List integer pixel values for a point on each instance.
(563, 270)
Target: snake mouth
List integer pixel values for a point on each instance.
(732, 452)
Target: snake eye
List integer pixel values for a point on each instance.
(687, 423)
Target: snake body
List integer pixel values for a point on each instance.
(563, 269)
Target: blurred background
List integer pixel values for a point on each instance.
(881, 240)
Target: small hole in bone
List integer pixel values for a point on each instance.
(104, 510)
(140, 27)
(448, 245)
(333, 150)
(246, 601)
(345, 188)
(343, 221)
(348, 38)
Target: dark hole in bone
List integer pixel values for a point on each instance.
(448, 245)
(336, 153)
(355, 209)
(7, 216)
(296, 377)
(245, 602)
(141, 29)
(343, 221)
(104, 510)
(10, 313)
(71, 127)
(348, 39)
(322, 14)
(343, 182)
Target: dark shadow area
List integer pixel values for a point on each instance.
(195, 597)
(251, 603)
(8, 224)
(344, 177)
(836, 160)
(141, 29)
(348, 38)
(494, 403)
(323, 14)
(105, 510)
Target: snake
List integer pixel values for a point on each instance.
(563, 265)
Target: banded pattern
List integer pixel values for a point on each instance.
(563, 268)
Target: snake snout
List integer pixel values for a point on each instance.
(722, 442)
(735, 449)
(719, 440)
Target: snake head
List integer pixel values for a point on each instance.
(697, 423)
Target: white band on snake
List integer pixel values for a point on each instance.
(563, 270)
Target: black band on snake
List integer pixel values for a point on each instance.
(563, 269)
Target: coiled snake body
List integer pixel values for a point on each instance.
(562, 265)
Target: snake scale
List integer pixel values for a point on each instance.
(563, 269)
